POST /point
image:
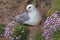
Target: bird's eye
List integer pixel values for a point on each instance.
(29, 7)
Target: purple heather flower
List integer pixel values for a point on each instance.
(47, 38)
(58, 22)
(54, 14)
(46, 21)
(53, 27)
(46, 33)
(8, 29)
(50, 24)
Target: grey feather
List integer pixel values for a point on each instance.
(21, 18)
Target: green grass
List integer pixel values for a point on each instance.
(20, 30)
(54, 7)
(38, 36)
(1, 29)
(55, 35)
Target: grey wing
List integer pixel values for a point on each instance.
(21, 18)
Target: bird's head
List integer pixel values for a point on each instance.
(30, 7)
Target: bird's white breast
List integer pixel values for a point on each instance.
(35, 18)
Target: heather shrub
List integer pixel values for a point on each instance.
(50, 26)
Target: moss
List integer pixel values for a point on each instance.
(20, 30)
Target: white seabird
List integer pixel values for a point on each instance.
(31, 17)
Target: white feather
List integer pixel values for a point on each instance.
(35, 17)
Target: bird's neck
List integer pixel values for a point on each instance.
(33, 10)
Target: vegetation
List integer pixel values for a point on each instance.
(20, 32)
(1, 29)
(55, 35)
(38, 36)
(55, 7)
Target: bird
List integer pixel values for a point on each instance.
(31, 17)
